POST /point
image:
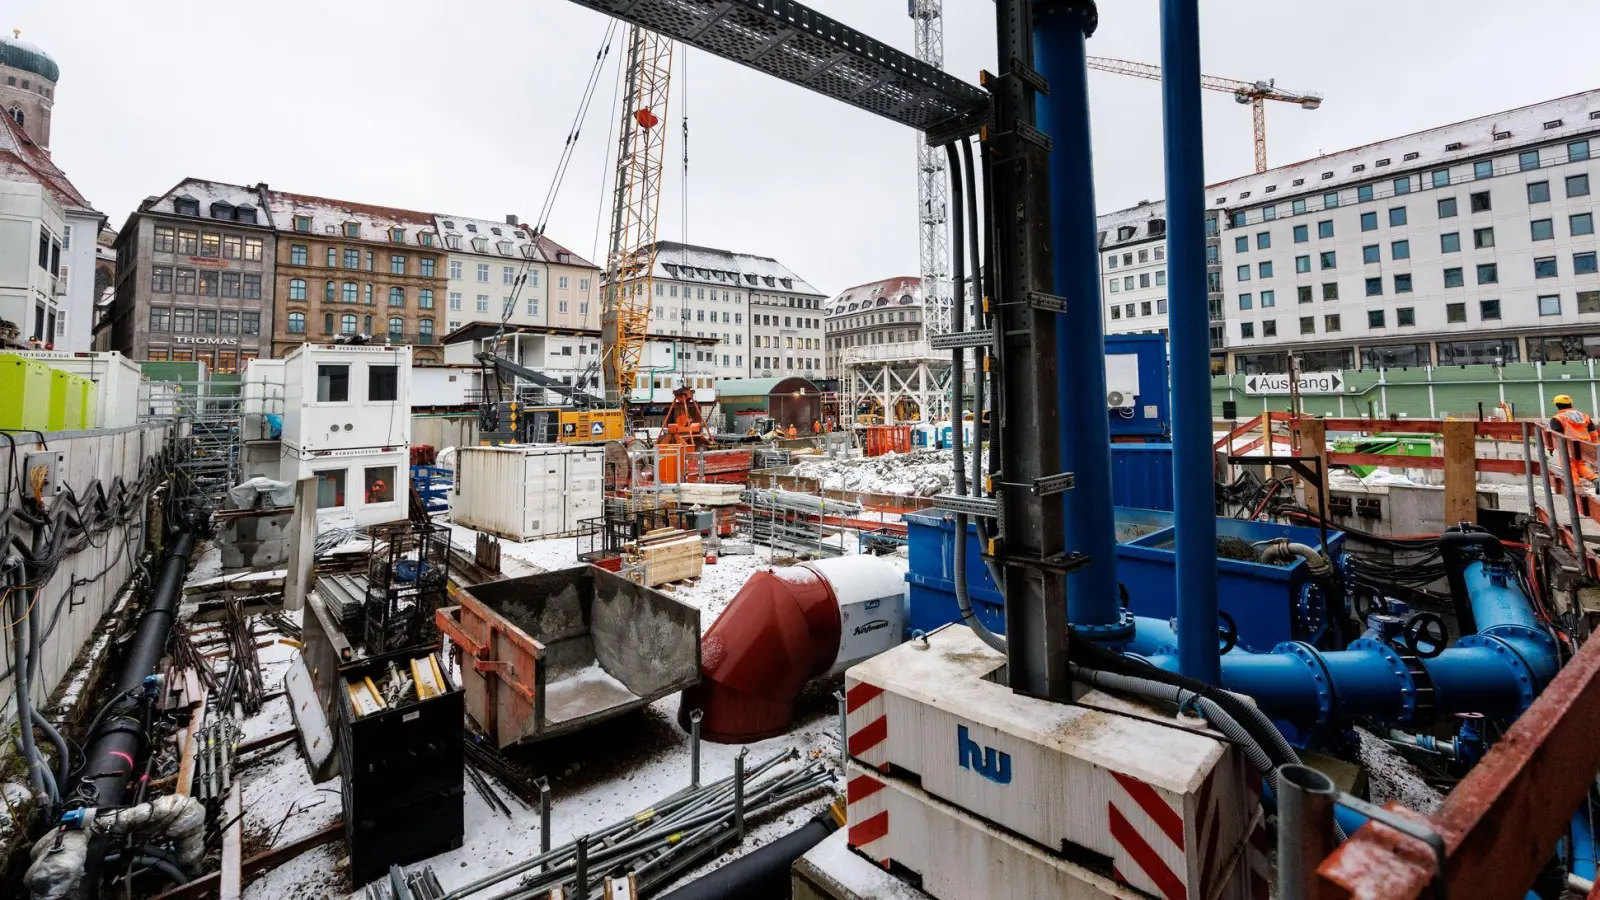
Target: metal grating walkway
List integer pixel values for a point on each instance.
(801, 46)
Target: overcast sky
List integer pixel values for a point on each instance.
(463, 108)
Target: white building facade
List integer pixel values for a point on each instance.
(494, 272)
(1133, 269)
(31, 289)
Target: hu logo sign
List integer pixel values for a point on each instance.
(986, 761)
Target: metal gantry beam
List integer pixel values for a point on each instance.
(801, 46)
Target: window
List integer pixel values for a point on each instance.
(333, 257)
(1116, 311)
(1455, 312)
(1268, 213)
(1402, 185)
(1246, 301)
(1116, 285)
(230, 285)
(352, 258)
(1405, 315)
(333, 383)
(1236, 220)
(1375, 318)
(483, 303)
(1589, 301)
(1584, 263)
(347, 323)
(252, 249)
(1144, 279)
(1400, 250)
(383, 383)
(1482, 238)
(330, 489)
(297, 289)
(1243, 274)
(1550, 305)
(583, 285)
(1330, 322)
(1241, 244)
(1453, 278)
(455, 300)
(397, 265)
(297, 323)
(206, 321)
(1296, 207)
(297, 255)
(1111, 263)
(1369, 253)
(1450, 242)
(1364, 192)
(1144, 310)
(1374, 287)
(228, 323)
(1161, 279)
(160, 319)
(352, 229)
(1538, 192)
(1269, 328)
(1397, 216)
(397, 327)
(183, 320)
(455, 269)
(378, 483)
(507, 274)
(1577, 185)
(1263, 240)
(1543, 229)
(425, 298)
(1302, 264)
(1369, 221)
(1308, 324)
(1263, 269)
(1577, 151)
(1301, 234)
(483, 273)
(165, 240)
(1582, 223)
(1402, 284)
(1527, 159)
(1304, 293)
(1325, 228)
(1269, 299)
(1441, 177)
(1480, 202)
(327, 291)
(1544, 267)
(1330, 200)
(397, 296)
(207, 286)
(1483, 168)
(1488, 273)
(1447, 207)
(1247, 330)
(1327, 259)
(562, 284)
(533, 306)
(161, 278)
(252, 286)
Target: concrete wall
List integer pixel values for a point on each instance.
(440, 432)
(87, 583)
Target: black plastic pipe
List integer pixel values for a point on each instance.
(763, 873)
(1456, 546)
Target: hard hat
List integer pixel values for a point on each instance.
(1563, 398)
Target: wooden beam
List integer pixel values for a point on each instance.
(269, 740)
(1501, 823)
(255, 865)
(231, 879)
(1266, 430)
(1314, 442)
(1460, 472)
(190, 741)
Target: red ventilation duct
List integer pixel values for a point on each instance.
(783, 629)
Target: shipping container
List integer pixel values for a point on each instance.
(1137, 394)
(25, 383)
(346, 397)
(441, 385)
(66, 401)
(354, 487)
(524, 492)
(114, 402)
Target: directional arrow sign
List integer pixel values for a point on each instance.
(1310, 383)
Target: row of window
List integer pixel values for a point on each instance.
(184, 320)
(791, 343)
(861, 321)
(1587, 302)
(1487, 273)
(790, 363)
(506, 305)
(206, 243)
(351, 292)
(509, 275)
(1121, 310)
(1527, 160)
(1126, 282)
(671, 290)
(205, 282)
(348, 324)
(1579, 225)
(1144, 256)
(351, 258)
(221, 362)
(396, 235)
(876, 337)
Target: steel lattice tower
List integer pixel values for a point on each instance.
(933, 183)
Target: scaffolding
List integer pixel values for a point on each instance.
(407, 573)
(209, 416)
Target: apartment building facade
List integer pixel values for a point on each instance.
(194, 277)
(493, 272)
(347, 269)
(1133, 245)
(885, 315)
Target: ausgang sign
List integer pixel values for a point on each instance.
(1310, 383)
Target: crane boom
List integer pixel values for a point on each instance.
(636, 201)
(1251, 92)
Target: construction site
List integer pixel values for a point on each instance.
(947, 627)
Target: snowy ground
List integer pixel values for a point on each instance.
(921, 473)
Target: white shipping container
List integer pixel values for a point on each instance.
(263, 386)
(441, 385)
(524, 492)
(118, 382)
(347, 397)
(1166, 805)
(354, 487)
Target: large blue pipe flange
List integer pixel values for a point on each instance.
(1320, 677)
(1312, 608)
(1399, 669)
(1526, 681)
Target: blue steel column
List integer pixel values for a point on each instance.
(1192, 475)
(1060, 30)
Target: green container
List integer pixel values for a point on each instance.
(91, 404)
(66, 401)
(24, 394)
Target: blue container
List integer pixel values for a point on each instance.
(1141, 476)
(1264, 601)
(1151, 414)
(931, 579)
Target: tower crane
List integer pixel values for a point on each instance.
(1254, 93)
(933, 183)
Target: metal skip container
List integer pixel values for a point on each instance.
(553, 653)
(527, 492)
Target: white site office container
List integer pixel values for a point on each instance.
(354, 487)
(523, 492)
(262, 386)
(331, 401)
(1167, 804)
(117, 381)
(447, 385)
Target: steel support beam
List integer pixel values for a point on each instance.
(1502, 822)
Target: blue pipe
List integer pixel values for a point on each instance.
(1060, 30)
(1192, 477)
(1582, 843)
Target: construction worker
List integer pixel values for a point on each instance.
(1577, 425)
(793, 432)
(378, 492)
(816, 426)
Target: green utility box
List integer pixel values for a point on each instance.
(66, 401)
(24, 394)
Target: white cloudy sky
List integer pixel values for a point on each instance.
(464, 107)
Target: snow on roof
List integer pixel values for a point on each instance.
(708, 265)
(885, 293)
(328, 217)
(555, 253)
(1140, 217)
(1538, 123)
(207, 193)
(26, 161)
(487, 237)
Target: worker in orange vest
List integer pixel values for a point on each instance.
(1575, 424)
(816, 426)
(378, 492)
(793, 432)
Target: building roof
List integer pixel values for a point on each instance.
(19, 54)
(726, 268)
(1148, 221)
(23, 160)
(487, 237)
(901, 290)
(217, 200)
(561, 256)
(328, 218)
(762, 387)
